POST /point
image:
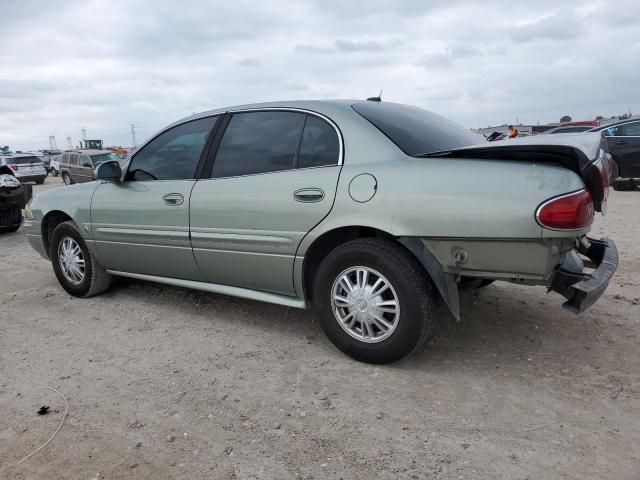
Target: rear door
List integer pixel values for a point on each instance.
(141, 225)
(624, 143)
(73, 165)
(273, 179)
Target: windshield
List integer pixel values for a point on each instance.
(22, 160)
(104, 157)
(415, 130)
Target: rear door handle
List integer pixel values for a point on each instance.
(308, 195)
(173, 199)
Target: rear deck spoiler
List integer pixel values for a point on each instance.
(578, 152)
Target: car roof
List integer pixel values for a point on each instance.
(615, 124)
(89, 152)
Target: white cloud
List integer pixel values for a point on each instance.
(106, 64)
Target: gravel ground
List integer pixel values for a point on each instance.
(164, 382)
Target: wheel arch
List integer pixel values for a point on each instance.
(49, 223)
(445, 283)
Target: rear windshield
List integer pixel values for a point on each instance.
(415, 130)
(22, 160)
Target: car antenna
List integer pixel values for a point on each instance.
(376, 99)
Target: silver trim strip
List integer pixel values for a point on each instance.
(257, 295)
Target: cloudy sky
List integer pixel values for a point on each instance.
(104, 65)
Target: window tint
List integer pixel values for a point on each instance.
(319, 145)
(174, 154)
(84, 161)
(73, 159)
(629, 130)
(258, 142)
(415, 130)
(65, 158)
(22, 160)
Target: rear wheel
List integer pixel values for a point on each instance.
(76, 269)
(374, 301)
(10, 219)
(66, 178)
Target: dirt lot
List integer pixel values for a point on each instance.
(163, 382)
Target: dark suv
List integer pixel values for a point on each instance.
(78, 166)
(623, 139)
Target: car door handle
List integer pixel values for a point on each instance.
(173, 199)
(308, 195)
(620, 142)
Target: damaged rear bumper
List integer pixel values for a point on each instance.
(583, 289)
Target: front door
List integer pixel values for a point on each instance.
(141, 225)
(624, 143)
(273, 179)
(84, 171)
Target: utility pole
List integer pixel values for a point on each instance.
(133, 136)
(52, 142)
(69, 145)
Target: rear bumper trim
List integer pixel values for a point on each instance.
(581, 289)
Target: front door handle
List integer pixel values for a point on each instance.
(173, 199)
(308, 195)
(620, 142)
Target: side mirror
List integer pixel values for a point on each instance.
(108, 171)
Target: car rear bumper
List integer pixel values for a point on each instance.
(584, 289)
(32, 178)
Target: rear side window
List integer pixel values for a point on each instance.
(65, 158)
(174, 154)
(319, 146)
(415, 130)
(258, 142)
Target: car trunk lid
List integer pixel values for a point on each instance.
(584, 153)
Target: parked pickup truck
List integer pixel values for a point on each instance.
(370, 212)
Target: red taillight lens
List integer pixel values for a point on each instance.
(14, 167)
(567, 212)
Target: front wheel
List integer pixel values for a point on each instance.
(75, 267)
(54, 172)
(374, 300)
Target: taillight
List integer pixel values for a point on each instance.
(572, 211)
(14, 167)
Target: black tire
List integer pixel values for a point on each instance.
(96, 279)
(10, 219)
(54, 172)
(415, 294)
(40, 182)
(66, 178)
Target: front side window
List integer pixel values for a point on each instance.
(174, 154)
(319, 146)
(629, 130)
(85, 161)
(258, 142)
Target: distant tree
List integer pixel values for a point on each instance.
(565, 119)
(5, 150)
(599, 117)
